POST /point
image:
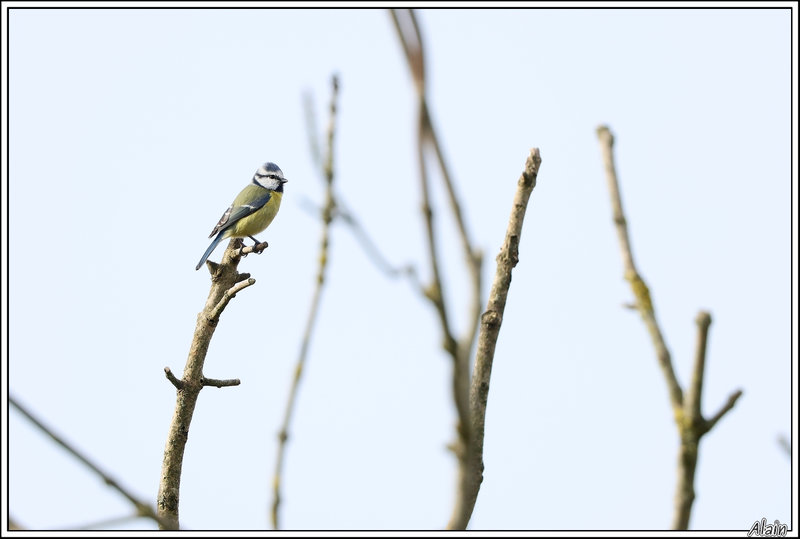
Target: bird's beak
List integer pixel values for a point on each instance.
(284, 180)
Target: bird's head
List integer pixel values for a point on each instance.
(270, 176)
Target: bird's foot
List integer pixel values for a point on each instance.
(258, 246)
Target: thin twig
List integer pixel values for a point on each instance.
(177, 382)
(142, 509)
(686, 409)
(691, 409)
(692, 429)
(227, 296)
(373, 252)
(473, 257)
(640, 291)
(471, 475)
(368, 245)
(727, 407)
(256, 248)
(408, 31)
(226, 281)
(327, 216)
(213, 382)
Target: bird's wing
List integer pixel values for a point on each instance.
(236, 213)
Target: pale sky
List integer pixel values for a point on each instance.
(131, 131)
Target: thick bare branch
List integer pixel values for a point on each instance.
(226, 281)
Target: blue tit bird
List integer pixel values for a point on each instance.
(252, 210)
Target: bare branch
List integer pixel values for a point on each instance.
(173, 379)
(474, 258)
(411, 39)
(408, 31)
(374, 254)
(327, 217)
(256, 248)
(727, 407)
(687, 413)
(213, 382)
(227, 296)
(142, 509)
(690, 429)
(640, 291)
(226, 282)
(691, 408)
(343, 215)
(471, 475)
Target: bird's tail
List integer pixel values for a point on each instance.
(210, 249)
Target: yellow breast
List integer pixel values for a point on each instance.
(257, 221)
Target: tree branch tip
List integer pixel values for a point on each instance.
(703, 319)
(240, 285)
(603, 132)
(178, 383)
(727, 407)
(531, 168)
(535, 157)
(220, 383)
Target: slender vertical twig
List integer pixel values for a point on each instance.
(142, 509)
(226, 281)
(411, 39)
(328, 212)
(471, 475)
(638, 286)
(686, 410)
(459, 349)
(474, 258)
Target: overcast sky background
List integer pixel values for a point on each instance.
(132, 130)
